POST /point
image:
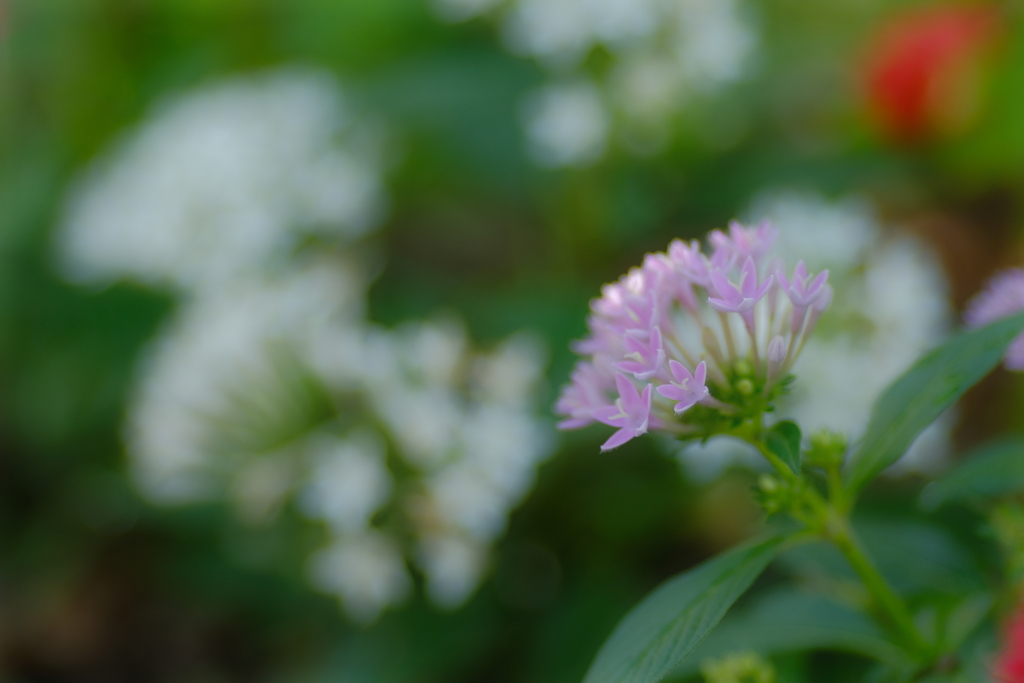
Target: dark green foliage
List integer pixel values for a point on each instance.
(917, 398)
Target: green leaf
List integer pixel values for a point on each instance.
(917, 398)
(915, 558)
(793, 620)
(670, 622)
(784, 441)
(995, 469)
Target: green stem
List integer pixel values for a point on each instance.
(830, 519)
(884, 597)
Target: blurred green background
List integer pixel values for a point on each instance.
(96, 584)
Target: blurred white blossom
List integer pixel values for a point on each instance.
(267, 386)
(453, 565)
(222, 180)
(366, 571)
(223, 356)
(348, 482)
(665, 55)
(566, 125)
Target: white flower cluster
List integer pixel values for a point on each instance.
(462, 421)
(665, 54)
(223, 180)
(891, 305)
(268, 387)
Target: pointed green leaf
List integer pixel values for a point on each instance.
(670, 622)
(917, 398)
(793, 620)
(784, 441)
(995, 469)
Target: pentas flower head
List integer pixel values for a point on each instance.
(1003, 297)
(691, 344)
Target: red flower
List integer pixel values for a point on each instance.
(921, 68)
(1010, 664)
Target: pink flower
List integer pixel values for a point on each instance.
(645, 358)
(739, 298)
(687, 389)
(657, 321)
(742, 243)
(672, 279)
(631, 413)
(776, 355)
(633, 304)
(802, 291)
(1003, 297)
(586, 392)
(688, 259)
(1010, 663)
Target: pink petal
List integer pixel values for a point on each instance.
(672, 391)
(617, 439)
(679, 371)
(610, 415)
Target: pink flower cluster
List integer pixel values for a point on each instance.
(1003, 297)
(684, 326)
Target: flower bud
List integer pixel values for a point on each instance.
(824, 300)
(826, 449)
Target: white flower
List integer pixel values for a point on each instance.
(567, 125)
(365, 571)
(511, 373)
(221, 181)
(663, 55)
(453, 565)
(504, 446)
(349, 480)
(433, 352)
(467, 499)
(221, 370)
(714, 43)
(834, 235)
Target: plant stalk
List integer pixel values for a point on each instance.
(884, 597)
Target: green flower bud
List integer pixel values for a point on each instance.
(745, 667)
(826, 449)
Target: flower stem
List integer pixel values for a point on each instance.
(830, 520)
(890, 604)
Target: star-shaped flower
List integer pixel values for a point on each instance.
(739, 298)
(645, 358)
(687, 389)
(631, 413)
